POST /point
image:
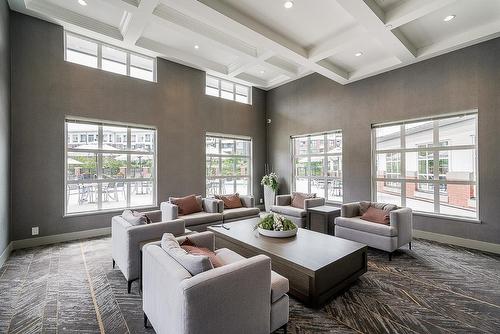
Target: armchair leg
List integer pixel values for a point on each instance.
(129, 286)
(390, 256)
(145, 320)
(284, 328)
(409, 245)
(114, 263)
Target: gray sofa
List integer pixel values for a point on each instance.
(198, 221)
(385, 237)
(296, 215)
(126, 240)
(242, 296)
(247, 211)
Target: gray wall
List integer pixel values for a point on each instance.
(4, 126)
(45, 88)
(462, 80)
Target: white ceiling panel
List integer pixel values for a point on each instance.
(432, 28)
(261, 43)
(372, 52)
(187, 41)
(306, 23)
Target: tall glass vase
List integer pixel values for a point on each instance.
(269, 196)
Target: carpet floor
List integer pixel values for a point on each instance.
(434, 288)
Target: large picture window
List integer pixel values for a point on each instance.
(429, 165)
(228, 165)
(317, 165)
(109, 166)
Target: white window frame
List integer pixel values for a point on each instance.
(232, 91)
(100, 57)
(220, 156)
(99, 181)
(435, 149)
(325, 155)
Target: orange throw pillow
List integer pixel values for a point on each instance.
(187, 205)
(299, 198)
(204, 252)
(375, 215)
(230, 201)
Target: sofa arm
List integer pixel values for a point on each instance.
(211, 205)
(283, 200)
(312, 202)
(162, 298)
(203, 239)
(247, 201)
(169, 211)
(227, 291)
(402, 220)
(350, 210)
(156, 230)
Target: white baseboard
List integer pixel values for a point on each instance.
(6, 253)
(468, 243)
(52, 239)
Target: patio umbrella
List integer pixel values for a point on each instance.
(72, 161)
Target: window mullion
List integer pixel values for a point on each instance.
(402, 165)
(435, 134)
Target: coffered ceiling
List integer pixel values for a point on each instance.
(262, 43)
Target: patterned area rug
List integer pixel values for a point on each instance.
(434, 288)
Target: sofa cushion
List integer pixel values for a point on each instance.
(240, 213)
(299, 198)
(227, 256)
(194, 264)
(187, 205)
(230, 201)
(289, 211)
(199, 218)
(375, 215)
(279, 286)
(356, 223)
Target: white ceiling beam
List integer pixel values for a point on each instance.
(245, 64)
(67, 16)
(252, 79)
(411, 10)
(134, 25)
(372, 17)
(180, 56)
(337, 43)
(128, 5)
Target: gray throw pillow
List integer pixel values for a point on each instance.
(195, 264)
(133, 219)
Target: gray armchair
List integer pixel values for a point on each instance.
(220, 300)
(126, 240)
(198, 221)
(385, 237)
(296, 215)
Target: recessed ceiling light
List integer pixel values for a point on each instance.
(196, 46)
(288, 4)
(82, 2)
(358, 54)
(449, 18)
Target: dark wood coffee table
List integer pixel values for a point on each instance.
(318, 266)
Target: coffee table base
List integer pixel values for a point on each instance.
(312, 288)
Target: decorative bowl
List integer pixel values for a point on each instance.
(277, 234)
